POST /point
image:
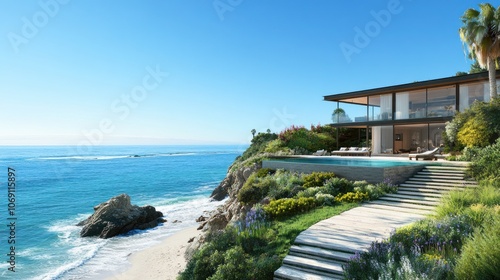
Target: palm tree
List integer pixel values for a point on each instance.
(253, 132)
(481, 33)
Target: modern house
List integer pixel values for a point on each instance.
(408, 117)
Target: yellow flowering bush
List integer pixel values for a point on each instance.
(289, 206)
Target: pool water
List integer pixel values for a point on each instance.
(351, 161)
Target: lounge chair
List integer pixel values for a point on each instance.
(342, 151)
(353, 151)
(320, 153)
(425, 155)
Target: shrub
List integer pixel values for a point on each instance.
(480, 213)
(388, 185)
(311, 141)
(289, 206)
(288, 184)
(474, 133)
(317, 179)
(485, 164)
(353, 197)
(310, 192)
(480, 257)
(335, 186)
(373, 191)
(205, 261)
(276, 146)
(255, 189)
(234, 266)
(263, 172)
(258, 145)
(479, 125)
(457, 202)
(469, 154)
(324, 199)
(424, 250)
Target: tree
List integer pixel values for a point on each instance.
(253, 132)
(268, 131)
(481, 33)
(339, 116)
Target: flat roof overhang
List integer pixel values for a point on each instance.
(478, 77)
(392, 122)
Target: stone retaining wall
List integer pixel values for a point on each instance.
(373, 175)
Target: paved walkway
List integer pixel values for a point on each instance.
(320, 251)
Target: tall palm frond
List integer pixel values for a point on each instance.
(481, 34)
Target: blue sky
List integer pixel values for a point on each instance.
(206, 72)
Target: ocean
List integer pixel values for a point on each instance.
(56, 187)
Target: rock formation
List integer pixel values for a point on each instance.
(232, 209)
(117, 216)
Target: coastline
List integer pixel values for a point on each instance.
(161, 261)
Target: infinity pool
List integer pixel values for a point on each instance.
(372, 170)
(351, 161)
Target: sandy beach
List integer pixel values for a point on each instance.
(163, 261)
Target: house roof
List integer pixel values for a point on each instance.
(412, 86)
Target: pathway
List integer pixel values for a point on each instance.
(320, 251)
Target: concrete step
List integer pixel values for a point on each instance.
(435, 185)
(398, 209)
(414, 196)
(293, 273)
(449, 183)
(330, 267)
(443, 177)
(382, 212)
(454, 175)
(402, 205)
(424, 188)
(442, 167)
(321, 253)
(441, 180)
(445, 173)
(325, 243)
(437, 194)
(410, 201)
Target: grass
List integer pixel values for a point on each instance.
(457, 202)
(287, 230)
(255, 248)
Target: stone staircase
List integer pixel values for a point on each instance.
(320, 251)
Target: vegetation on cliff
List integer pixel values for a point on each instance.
(267, 209)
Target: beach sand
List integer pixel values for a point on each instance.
(162, 261)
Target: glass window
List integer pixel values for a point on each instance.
(441, 102)
(380, 107)
(410, 105)
(436, 135)
(382, 140)
(411, 138)
(474, 92)
(351, 110)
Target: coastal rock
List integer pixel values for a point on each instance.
(233, 182)
(193, 246)
(232, 209)
(220, 192)
(201, 219)
(118, 216)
